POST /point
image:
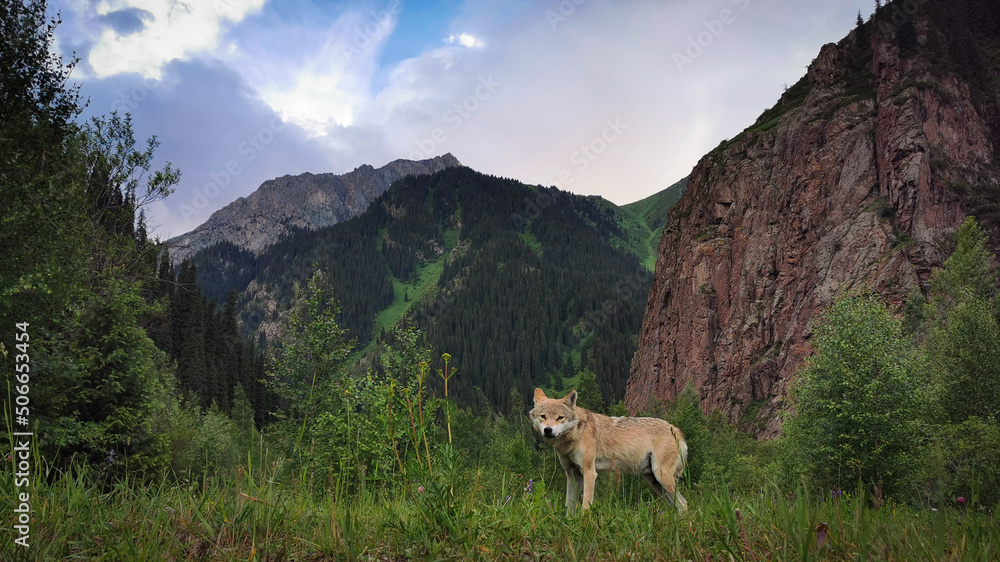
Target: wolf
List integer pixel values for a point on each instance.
(586, 442)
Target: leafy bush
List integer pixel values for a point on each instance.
(686, 414)
(717, 451)
(214, 449)
(738, 458)
(859, 403)
(963, 329)
(967, 466)
(964, 356)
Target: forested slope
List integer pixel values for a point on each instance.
(524, 285)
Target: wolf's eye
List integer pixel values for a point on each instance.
(560, 418)
(542, 416)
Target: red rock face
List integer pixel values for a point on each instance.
(847, 192)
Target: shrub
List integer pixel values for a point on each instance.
(970, 454)
(686, 414)
(964, 355)
(859, 402)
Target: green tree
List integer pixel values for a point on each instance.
(861, 38)
(43, 219)
(859, 402)
(964, 334)
(104, 378)
(589, 391)
(965, 357)
(314, 347)
(73, 266)
(966, 272)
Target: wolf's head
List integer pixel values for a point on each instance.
(553, 417)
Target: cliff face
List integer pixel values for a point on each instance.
(308, 201)
(852, 182)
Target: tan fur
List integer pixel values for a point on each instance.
(587, 442)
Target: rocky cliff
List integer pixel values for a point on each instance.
(852, 182)
(308, 201)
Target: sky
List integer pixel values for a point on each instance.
(612, 98)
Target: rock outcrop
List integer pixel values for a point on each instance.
(853, 182)
(307, 201)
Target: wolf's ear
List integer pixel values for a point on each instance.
(539, 395)
(571, 398)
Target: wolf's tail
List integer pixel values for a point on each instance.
(682, 458)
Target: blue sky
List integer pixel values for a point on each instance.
(611, 98)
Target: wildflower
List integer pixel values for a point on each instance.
(420, 489)
(111, 457)
(961, 500)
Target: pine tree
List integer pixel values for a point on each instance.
(189, 334)
(861, 38)
(73, 273)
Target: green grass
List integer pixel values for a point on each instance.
(652, 213)
(475, 513)
(532, 242)
(426, 281)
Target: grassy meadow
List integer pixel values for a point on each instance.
(463, 507)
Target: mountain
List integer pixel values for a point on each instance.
(305, 201)
(854, 181)
(654, 212)
(523, 285)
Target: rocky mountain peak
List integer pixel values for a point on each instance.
(307, 200)
(853, 181)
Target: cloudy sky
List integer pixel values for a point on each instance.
(614, 98)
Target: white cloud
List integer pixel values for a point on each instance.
(320, 75)
(518, 97)
(464, 39)
(174, 30)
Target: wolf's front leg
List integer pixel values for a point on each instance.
(589, 481)
(574, 484)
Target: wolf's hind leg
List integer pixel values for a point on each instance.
(663, 473)
(653, 483)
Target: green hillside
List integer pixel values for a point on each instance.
(653, 214)
(522, 284)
